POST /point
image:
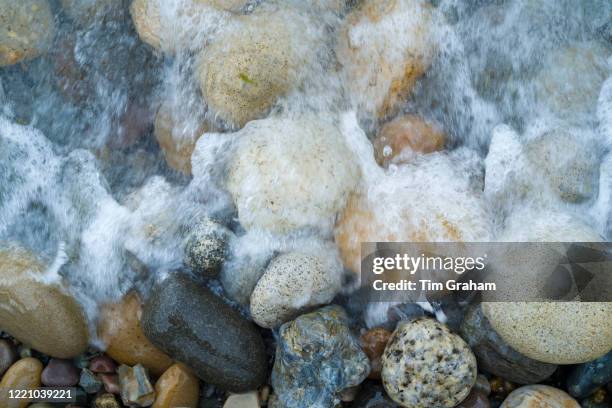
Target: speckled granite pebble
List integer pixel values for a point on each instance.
(539, 396)
(425, 364)
(206, 247)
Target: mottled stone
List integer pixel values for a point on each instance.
(289, 174)
(41, 315)
(24, 374)
(111, 383)
(424, 364)
(60, 373)
(102, 364)
(373, 343)
(293, 282)
(193, 325)
(248, 400)
(541, 396)
(136, 389)
(250, 65)
(8, 355)
(497, 357)
(383, 48)
(586, 378)
(398, 140)
(26, 30)
(89, 382)
(554, 332)
(177, 387)
(206, 247)
(316, 358)
(120, 329)
(106, 401)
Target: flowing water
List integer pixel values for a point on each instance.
(83, 182)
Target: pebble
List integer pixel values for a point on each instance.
(135, 387)
(424, 364)
(372, 395)
(120, 329)
(475, 399)
(102, 364)
(60, 373)
(253, 63)
(248, 400)
(26, 30)
(111, 383)
(383, 48)
(553, 332)
(542, 396)
(24, 374)
(206, 247)
(497, 357)
(373, 343)
(316, 358)
(404, 136)
(89, 382)
(292, 283)
(8, 355)
(41, 315)
(106, 401)
(584, 379)
(303, 171)
(196, 327)
(177, 387)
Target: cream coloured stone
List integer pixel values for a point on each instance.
(541, 396)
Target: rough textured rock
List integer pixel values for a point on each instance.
(194, 326)
(206, 247)
(89, 382)
(136, 389)
(41, 315)
(103, 364)
(26, 30)
(570, 82)
(293, 282)
(248, 67)
(495, 356)
(316, 358)
(120, 329)
(404, 136)
(60, 373)
(383, 48)
(539, 396)
(177, 387)
(424, 364)
(585, 378)
(553, 332)
(291, 173)
(24, 374)
(106, 401)
(373, 343)
(177, 138)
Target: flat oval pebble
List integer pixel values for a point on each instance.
(120, 330)
(424, 364)
(539, 396)
(24, 374)
(177, 387)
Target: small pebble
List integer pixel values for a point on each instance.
(24, 374)
(586, 378)
(373, 343)
(247, 400)
(476, 399)
(106, 401)
(60, 373)
(206, 248)
(89, 382)
(136, 389)
(177, 387)
(102, 364)
(8, 355)
(111, 383)
(482, 384)
(542, 396)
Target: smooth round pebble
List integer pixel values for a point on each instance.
(424, 364)
(23, 375)
(206, 247)
(60, 373)
(540, 396)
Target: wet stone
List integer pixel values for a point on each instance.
(111, 383)
(8, 355)
(89, 382)
(497, 357)
(373, 343)
(60, 373)
(539, 396)
(206, 247)
(136, 389)
(586, 378)
(316, 358)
